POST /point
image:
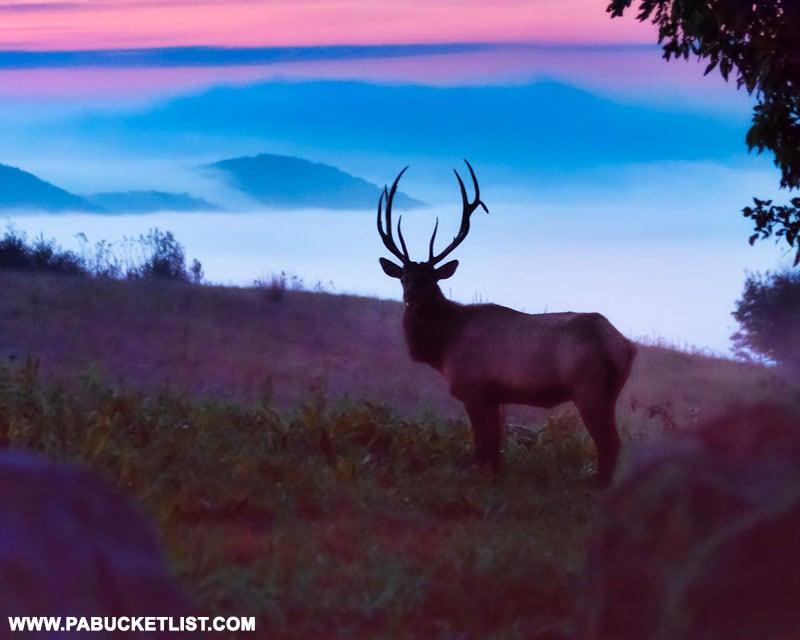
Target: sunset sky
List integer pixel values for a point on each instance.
(126, 24)
(615, 179)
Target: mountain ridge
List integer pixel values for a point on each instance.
(148, 201)
(272, 180)
(20, 189)
(291, 182)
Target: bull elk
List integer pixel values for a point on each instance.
(492, 355)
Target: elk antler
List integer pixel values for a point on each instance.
(463, 230)
(386, 235)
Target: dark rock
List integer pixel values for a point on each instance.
(703, 540)
(70, 545)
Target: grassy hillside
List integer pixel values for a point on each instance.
(241, 342)
(301, 469)
(227, 341)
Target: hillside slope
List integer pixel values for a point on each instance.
(240, 342)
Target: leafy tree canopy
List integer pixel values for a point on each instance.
(757, 41)
(769, 316)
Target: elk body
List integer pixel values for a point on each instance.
(492, 355)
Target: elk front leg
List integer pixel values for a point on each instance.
(487, 431)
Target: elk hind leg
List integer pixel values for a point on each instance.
(487, 431)
(597, 413)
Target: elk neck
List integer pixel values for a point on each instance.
(430, 325)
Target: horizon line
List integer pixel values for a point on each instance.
(213, 55)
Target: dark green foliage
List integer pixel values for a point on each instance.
(769, 315)
(758, 43)
(781, 220)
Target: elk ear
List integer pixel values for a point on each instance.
(390, 268)
(446, 270)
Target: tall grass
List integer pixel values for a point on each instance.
(333, 519)
(153, 255)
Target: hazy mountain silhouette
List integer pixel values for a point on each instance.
(287, 182)
(544, 124)
(22, 190)
(280, 181)
(148, 202)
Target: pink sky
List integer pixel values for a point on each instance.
(102, 24)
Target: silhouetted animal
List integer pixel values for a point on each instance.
(492, 355)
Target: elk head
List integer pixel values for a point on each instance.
(419, 279)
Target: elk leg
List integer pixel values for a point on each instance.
(598, 417)
(487, 431)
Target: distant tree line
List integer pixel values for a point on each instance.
(768, 314)
(154, 255)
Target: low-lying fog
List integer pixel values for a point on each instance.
(624, 253)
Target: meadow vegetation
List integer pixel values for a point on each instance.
(300, 468)
(154, 255)
(335, 518)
